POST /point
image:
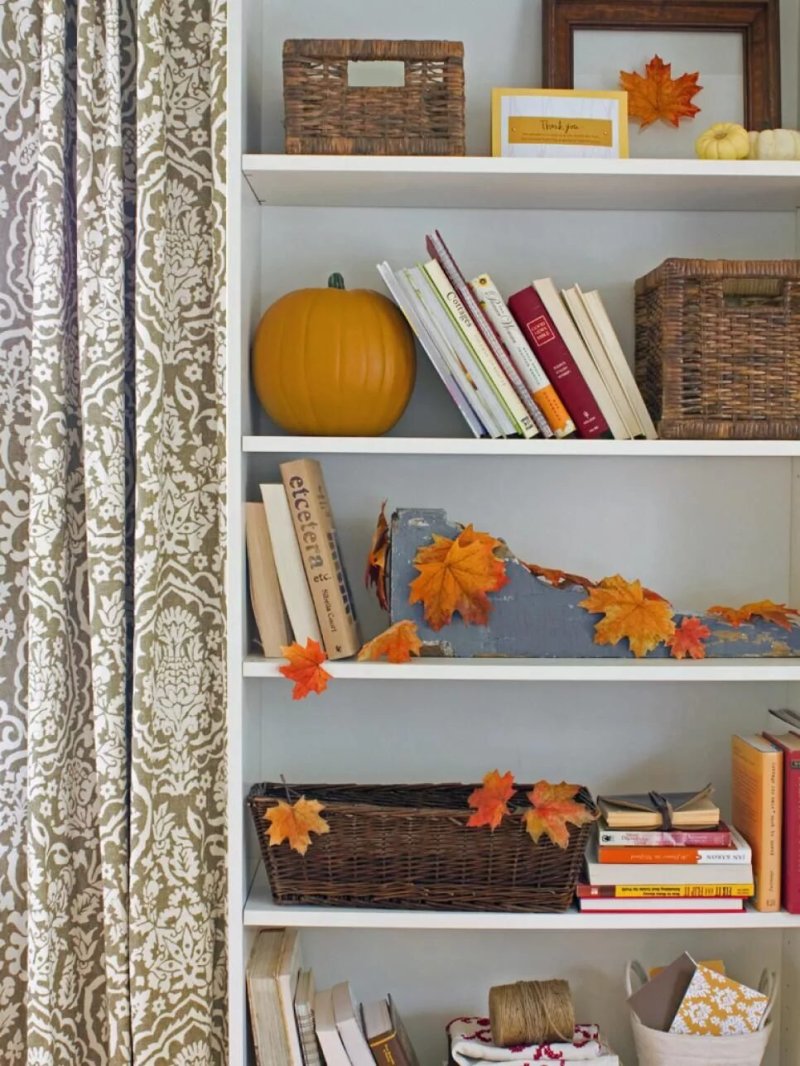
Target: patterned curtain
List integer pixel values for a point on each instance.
(112, 539)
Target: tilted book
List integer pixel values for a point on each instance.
(265, 590)
(757, 810)
(316, 537)
(386, 1034)
(328, 1035)
(348, 1024)
(789, 744)
(533, 319)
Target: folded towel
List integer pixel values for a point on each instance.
(471, 1045)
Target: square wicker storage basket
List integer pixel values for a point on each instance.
(409, 846)
(718, 348)
(325, 114)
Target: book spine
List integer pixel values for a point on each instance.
(756, 803)
(670, 855)
(630, 838)
(387, 1051)
(522, 423)
(265, 592)
(439, 250)
(665, 891)
(520, 353)
(537, 326)
(790, 863)
(316, 537)
(415, 317)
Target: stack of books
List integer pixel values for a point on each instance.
(667, 853)
(542, 363)
(295, 1024)
(766, 808)
(298, 585)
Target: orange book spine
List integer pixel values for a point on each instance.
(679, 856)
(757, 806)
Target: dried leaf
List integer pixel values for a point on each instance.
(397, 644)
(455, 576)
(375, 573)
(645, 619)
(295, 823)
(777, 613)
(559, 578)
(305, 668)
(688, 639)
(491, 799)
(658, 95)
(554, 808)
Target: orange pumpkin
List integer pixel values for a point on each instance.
(333, 362)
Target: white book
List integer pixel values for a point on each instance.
(266, 1017)
(658, 873)
(599, 315)
(459, 354)
(562, 320)
(414, 315)
(349, 1025)
(521, 421)
(304, 1015)
(633, 906)
(289, 564)
(265, 591)
(594, 346)
(288, 970)
(328, 1035)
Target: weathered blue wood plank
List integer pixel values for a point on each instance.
(532, 619)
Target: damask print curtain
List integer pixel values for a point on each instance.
(112, 539)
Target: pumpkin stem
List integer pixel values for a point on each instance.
(336, 281)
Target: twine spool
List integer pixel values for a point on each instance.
(531, 1012)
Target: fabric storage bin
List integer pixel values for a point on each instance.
(718, 348)
(409, 846)
(326, 114)
(655, 1048)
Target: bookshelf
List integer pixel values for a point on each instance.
(701, 521)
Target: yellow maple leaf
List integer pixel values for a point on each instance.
(455, 576)
(397, 644)
(631, 613)
(553, 809)
(295, 822)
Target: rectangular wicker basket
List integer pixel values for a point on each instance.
(325, 114)
(409, 846)
(718, 348)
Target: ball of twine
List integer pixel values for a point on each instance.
(531, 1012)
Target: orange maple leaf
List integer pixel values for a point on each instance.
(305, 668)
(397, 644)
(295, 822)
(631, 612)
(456, 575)
(491, 799)
(778, 613)
(658, 95)
(688, 639)
(554, 807)
(375, 573)
(559, 578)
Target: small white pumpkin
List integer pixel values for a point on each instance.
(779, 144)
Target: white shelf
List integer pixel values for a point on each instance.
(434, 669)
(481, 182)
(667, 449)
(261, 911)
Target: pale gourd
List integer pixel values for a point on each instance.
(725, 140)
(776, 144)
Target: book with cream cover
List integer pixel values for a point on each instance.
(757, 811)
(289, 564)
(655, 810)
(265, 590)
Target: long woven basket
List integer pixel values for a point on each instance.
(409, 846)
(718, 348)
(325, 114)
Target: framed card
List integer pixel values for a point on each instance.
(559, 124)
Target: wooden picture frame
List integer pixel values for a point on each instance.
(757, 21)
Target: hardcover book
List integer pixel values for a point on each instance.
(631, 890)
(659, 838)
(327, 1034)
(386, 1034)
(265, 590)
(304, 1016)
(789, 744)
(349, 1026)
(757, 808)
(666, 873)
(316, 537)
(655, 810)
(272, 1037)
(737, 852)
(289, 564)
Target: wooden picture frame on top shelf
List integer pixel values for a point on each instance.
(756, 21)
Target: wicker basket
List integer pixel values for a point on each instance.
(718, 348)
(325, 114)
(409, 846)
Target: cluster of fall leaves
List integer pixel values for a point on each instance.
(457, 575)
(553, 808)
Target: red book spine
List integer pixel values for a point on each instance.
(537, 325)
(790, 865)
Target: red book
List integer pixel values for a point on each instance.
(554, 355)
(789, 744)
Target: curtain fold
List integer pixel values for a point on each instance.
(112, 460)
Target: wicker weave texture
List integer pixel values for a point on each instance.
(325, 114)
(409, 846)
(718, 348)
